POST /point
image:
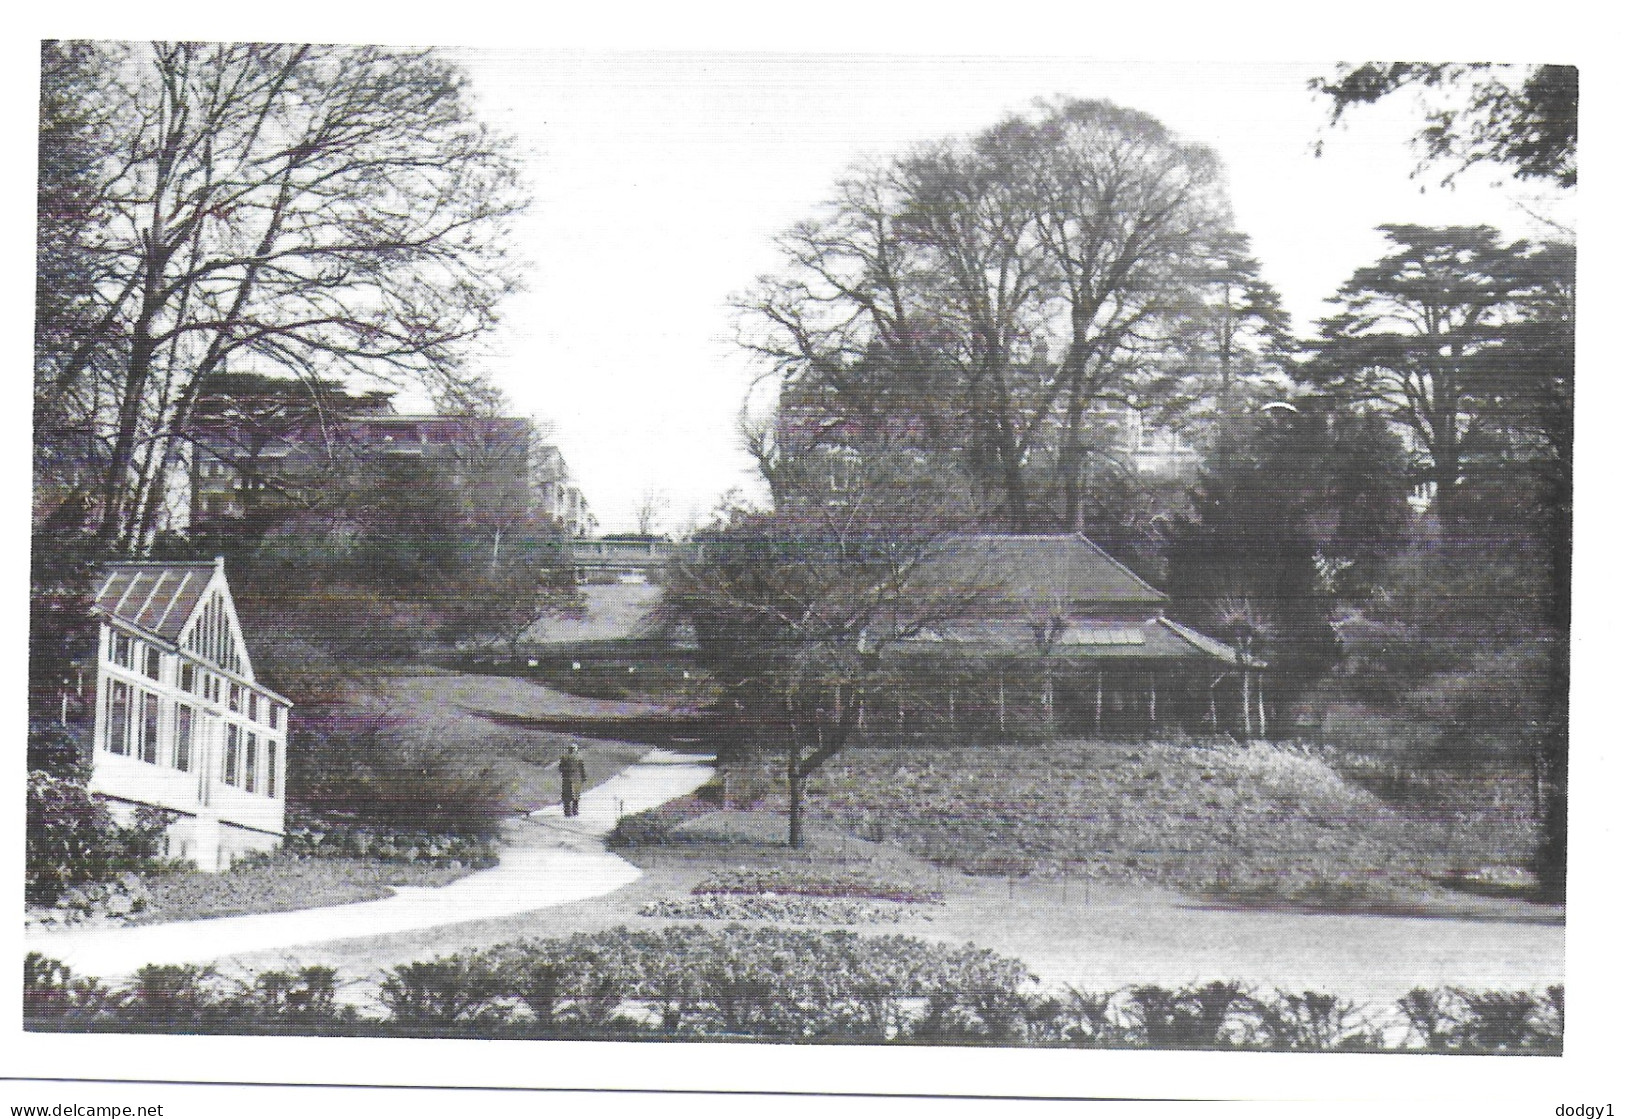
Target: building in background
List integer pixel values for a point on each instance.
(1143, 447)
(817, 446)
(561, 501)
(271, 445)
(180, 723)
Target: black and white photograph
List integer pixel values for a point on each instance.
(732, 555)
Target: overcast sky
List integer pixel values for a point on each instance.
(661, 179)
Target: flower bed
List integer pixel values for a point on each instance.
(786, 910)
(781, 880)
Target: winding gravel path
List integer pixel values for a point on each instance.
(546, 861)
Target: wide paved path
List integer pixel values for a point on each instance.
(546, 861)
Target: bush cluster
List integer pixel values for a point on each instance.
(56, 749)
(768, 984)
(368, 770)
(73, 839)
(121, 898)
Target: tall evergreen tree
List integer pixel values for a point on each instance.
(1430, 337)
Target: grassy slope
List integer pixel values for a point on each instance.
(1251, 823)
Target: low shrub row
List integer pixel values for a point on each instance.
(734, 981)
(181, 998)
(771, 984)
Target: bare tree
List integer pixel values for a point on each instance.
(926, 299)
(328, 212)
(652, 506)
(800, 611)
(1128, 212)
(850, 333)
(969, 213)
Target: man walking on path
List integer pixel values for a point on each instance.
(572, 776)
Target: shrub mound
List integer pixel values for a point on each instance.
(74, 841)
(1262, 822)
(368, 769)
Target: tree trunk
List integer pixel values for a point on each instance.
(797, 779)
(117, 472)
(1070, 464)
(798, 783)
(1015, 495)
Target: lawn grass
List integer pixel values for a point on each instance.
(1260, 824)
(282, 883)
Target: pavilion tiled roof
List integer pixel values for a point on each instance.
(157, 597)
(1022, 589)
(1038, 573)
